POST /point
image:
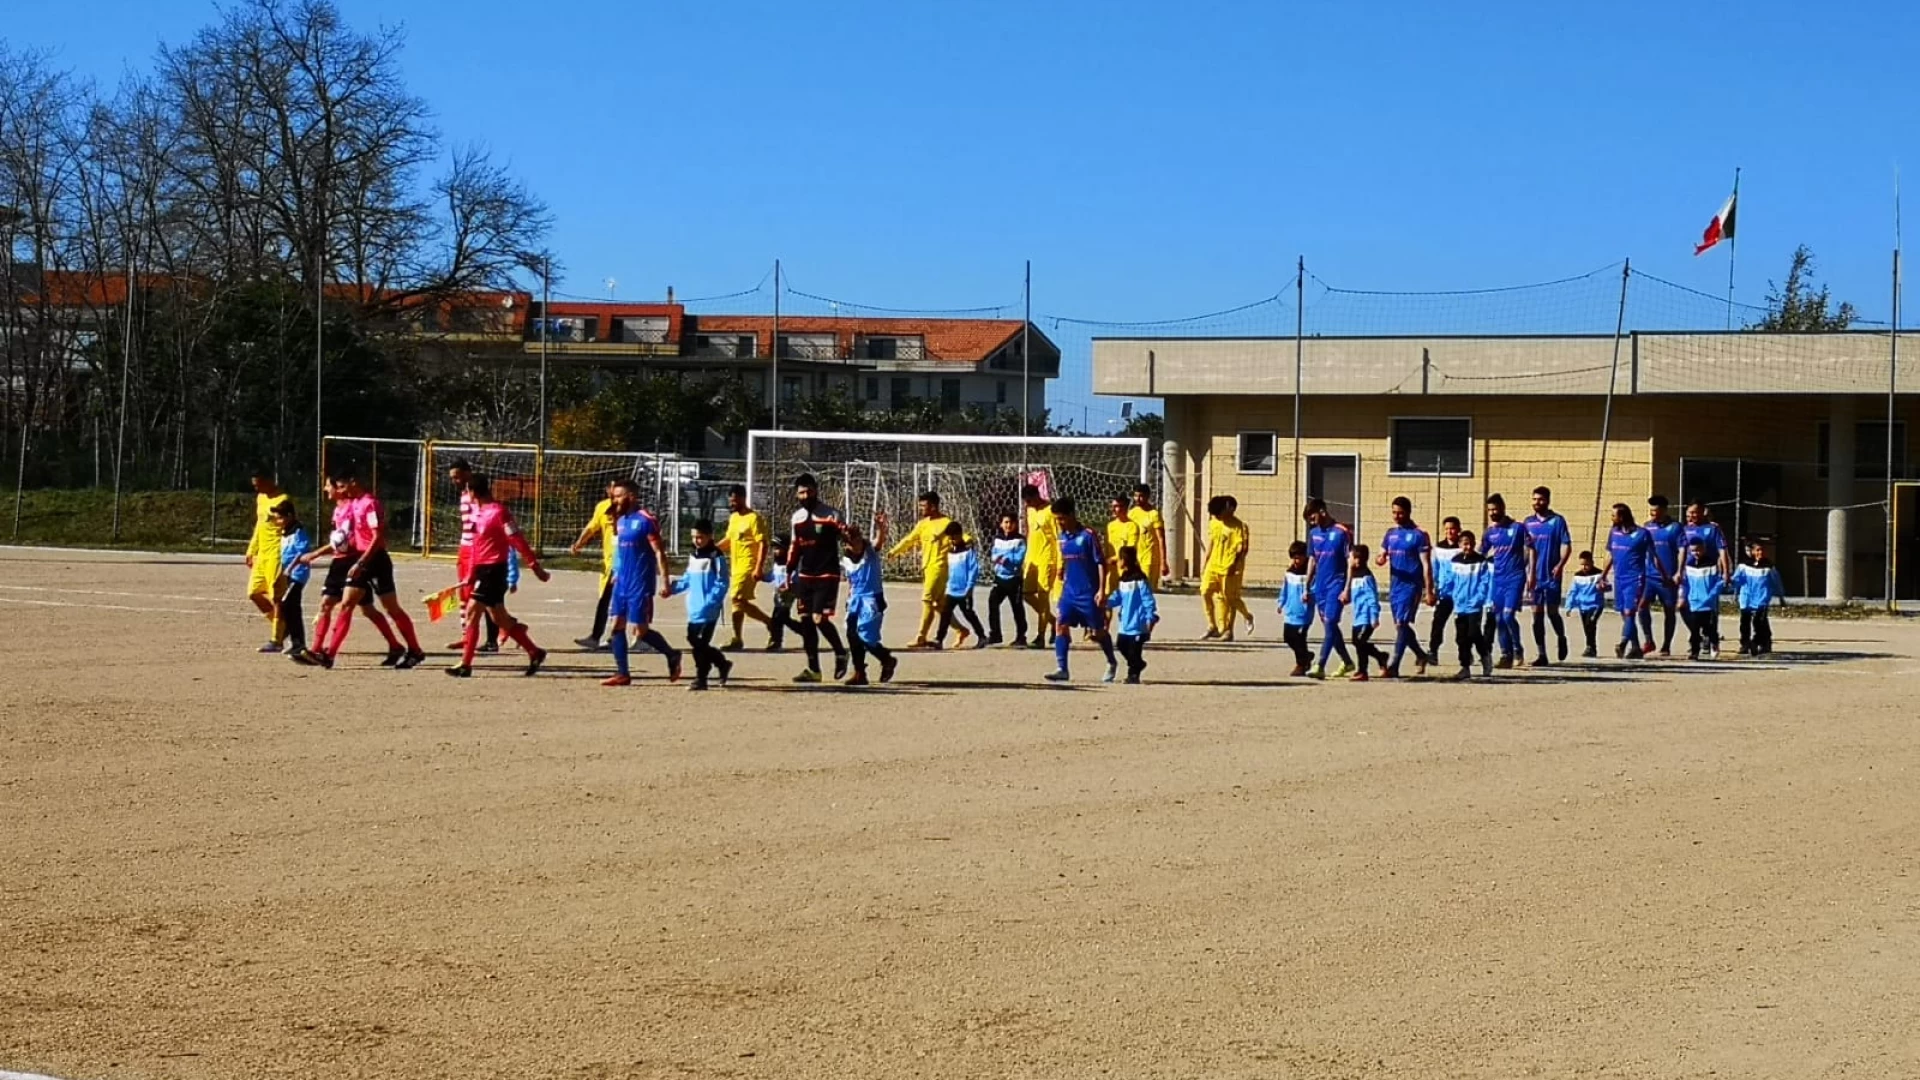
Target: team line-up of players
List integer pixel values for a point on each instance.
(1072, 577)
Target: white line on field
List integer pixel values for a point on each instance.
(135, 595)
(5, 1075)
(116, 607)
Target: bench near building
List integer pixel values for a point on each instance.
(1783, 435)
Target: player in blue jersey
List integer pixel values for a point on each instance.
(1702, 529)
(1363, 593)
(639, 568)
(1407, 553)
(1701, 586)
(1083, 589)
(1472, 589)
(1756, 584)
(1295, 604)
(1668, 539)
(866, 600)
(1329, 548)
(1504, 543)
(1630, 568)
(1136, 611)
(1585, 598)
(1549, 546)
(1445, 550)
(705, 586)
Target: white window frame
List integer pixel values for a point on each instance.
(1240, 456)
(1473, 457)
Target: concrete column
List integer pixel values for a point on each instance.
(1195, 466)
(1840, 490)
(1170, 504)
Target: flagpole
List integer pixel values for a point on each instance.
(1733, 244)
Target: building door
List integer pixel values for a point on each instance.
(1336, 478)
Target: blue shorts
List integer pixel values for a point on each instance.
(1507, 594)
(634, 607)
(1329, 607)
(1079, 611)
(1545, 595)
(1405, 601)
(1626, 596)
(1661, 591)
(864, 617)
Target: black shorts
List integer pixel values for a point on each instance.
(336, 583)
(490, 584)
(816, 596)
(376, 573)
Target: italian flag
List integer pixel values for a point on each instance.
(1721, 227)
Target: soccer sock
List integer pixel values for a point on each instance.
(1559, 629)
(618, 643)
(879, 651)
(405, 623)
(1646, 623)
(275, 632)
(320, 627)
(1105, 641)
(1540, 631)
(340, 625)
(379, 622)
(652, 640)
(1338, 640)
(1060, 650)
(518, 632)
(832, 634)
(1666, 640)
(493, 631)
(810, 641)
(928, 611)
(468, 641)
(859, 650)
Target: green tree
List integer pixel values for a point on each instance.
(1796, 307)
(1146, 425)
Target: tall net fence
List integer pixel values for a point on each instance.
(398, 471)
(978, 480)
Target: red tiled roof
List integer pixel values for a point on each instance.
(971, 340)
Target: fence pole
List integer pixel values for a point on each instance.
(1893, 388)
(1299, 365)
(126, 364)
(20, 473)
(213, 494)
(1606, 417)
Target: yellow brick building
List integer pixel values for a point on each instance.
(1741, 421)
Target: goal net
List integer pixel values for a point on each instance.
(393, 469)
(514, 472)
(978, 477)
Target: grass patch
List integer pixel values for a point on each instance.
(149, 520)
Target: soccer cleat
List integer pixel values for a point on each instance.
(1345, 669)
(1319, 672)
(919, 644)
(1020, 643)
(460, 671)
(1390, 673)
(1505, 663)
(726, 671)
(1541, 662)
(1113, 672)
(992, 639)
(981, 643)
(269, 647)
(534, 660)
(1419, 667)
(1563, 650)
(775, 646)
(304, 657)
(488, 647)
(1133, 678)
(735, 645)
(959, 640)
(1249, 626)
(1713, 652)
(1211, 635)
(591, 644)
(1647, 649)
(618, 680)
(324, 659)
(807, 676)
(888, 667)
(1589, 653)
(410, 661)
(1360, 676)
(674, 662)
(698, 684)
(1037, 643)
(1299, 671)
(1463, 675)
(1665, 653)
(1228, 636)
(457, 646)
(1486, 668)
(1620, 650)
(839, 665)
(394, 656)
(858, 678)
(1057, 675)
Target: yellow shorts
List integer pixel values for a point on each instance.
(740, 590)
(933, 590)
(261, 576)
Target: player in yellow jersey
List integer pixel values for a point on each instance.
(929, 537)
(1122, 531)
(600, 525)
(746, 544)
(1223, 552)
(1041, 573)
(1154, 562)
(263, 556)
(1237, 577)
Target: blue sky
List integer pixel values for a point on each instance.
(1152, 161)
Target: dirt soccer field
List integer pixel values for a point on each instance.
(216, 864)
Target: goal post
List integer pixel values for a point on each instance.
(978, 478)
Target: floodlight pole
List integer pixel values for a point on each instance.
(773, 377)
(1299, 367)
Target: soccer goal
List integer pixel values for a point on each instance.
(978, 477)
(513, 469)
